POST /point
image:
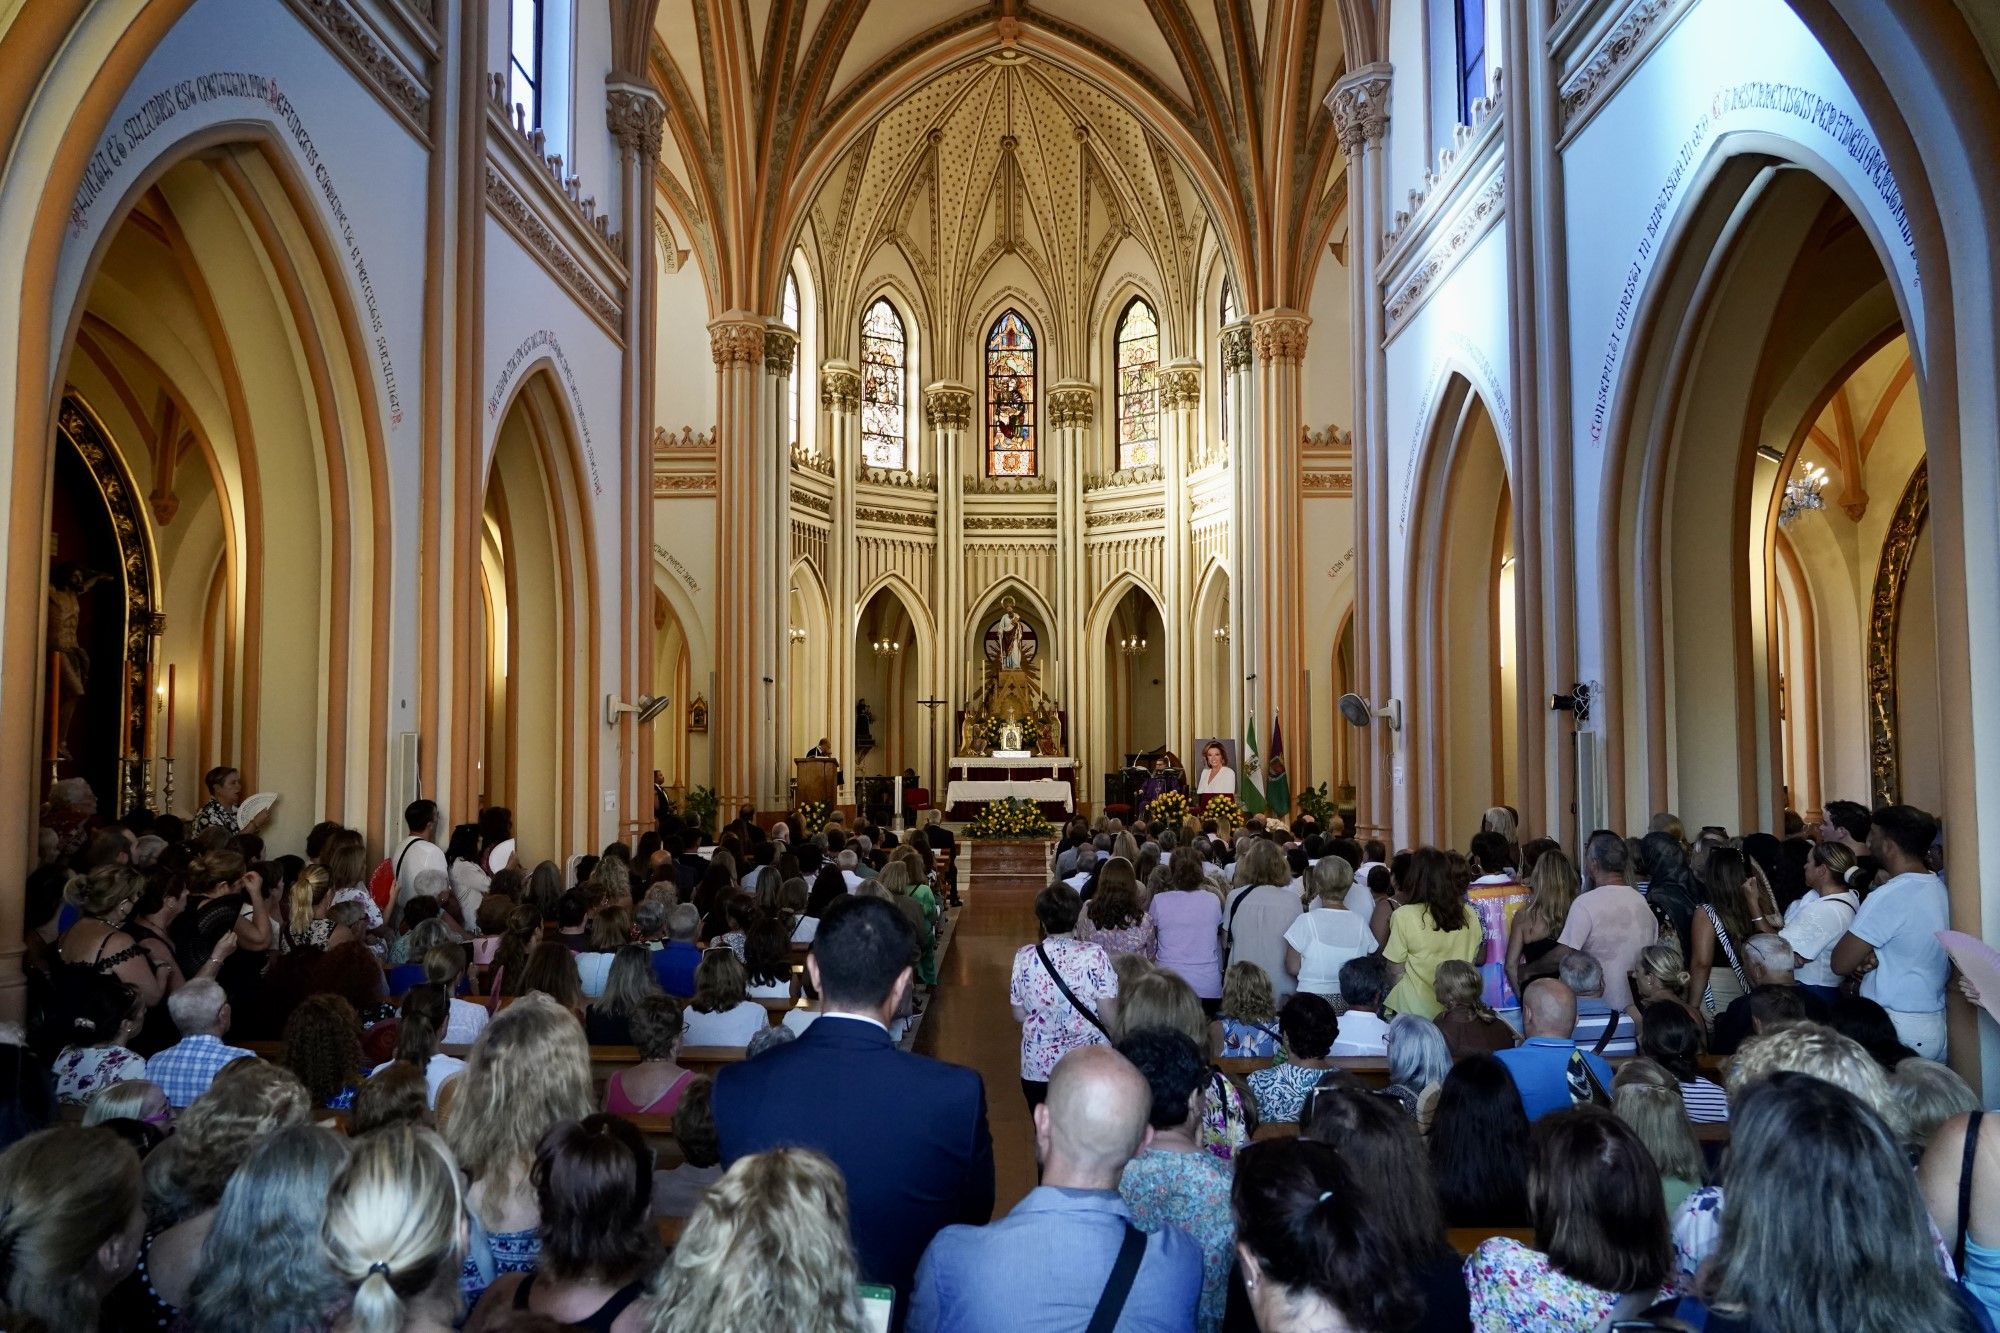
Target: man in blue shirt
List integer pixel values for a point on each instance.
(674, 962)
(1540, 1066)
(1048, 1263)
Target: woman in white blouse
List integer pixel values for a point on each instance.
(721, 1014)
(1816, 922)
(1217, 777)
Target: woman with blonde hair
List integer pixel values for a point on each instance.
(1163, 999)
(134, 1099)
(1648, 1098)
(393, 1233)
(1533, 933)
(70, 1223)
(305, 924)
(249, 1101)
(1661, 974)
(529, 1070)
(767, 1249)
(1247, 1026)
(99, 940)
(721, 1012)
(1323, 937)
(609, 1021)
(1468, 1026)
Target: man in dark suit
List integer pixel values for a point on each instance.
(908, 1133)
(941, 839)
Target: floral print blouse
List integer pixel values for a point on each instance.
(1225, 1124)
(1281, 1091)
(1248, 1041)
(83, 1071)
(1188, 1190)
(1051, 1026)
(1514, 1287)
(1142, 938)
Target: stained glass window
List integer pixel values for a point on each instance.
(789, 312)
(1229, 316)
(1138, 387)
(1010, 397)
(884, 374)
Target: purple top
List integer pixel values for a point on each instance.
(1188, 920)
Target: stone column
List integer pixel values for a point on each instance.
(840, 395)
(636, 117)
(774, 460)
(1072, 408)
(1244, 455)
(948, 409)
(1360, 107)
(1180, 421)
(1279, 660)
(742, 400)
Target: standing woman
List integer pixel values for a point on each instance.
(1116, 917)
(1815, 923)
(496, 838)
(1726, 921)
(1437, 924)
(469, 879)
(1187, 915)
(152, 924)
(100, 941)
(305, 924)
(1532, 935)
(1062, 991)
(1319, 941)
(225, 896)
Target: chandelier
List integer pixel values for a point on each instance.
(1132, 646)
(886, 647)
(1804, 490)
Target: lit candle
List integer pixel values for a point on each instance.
(169, 750)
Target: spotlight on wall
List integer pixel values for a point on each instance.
(647, 708)
(1577, 701)
(1360, 713)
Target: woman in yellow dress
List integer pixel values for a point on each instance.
(1437, 924)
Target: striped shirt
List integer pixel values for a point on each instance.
(1706, 1102)
(1592, 1016)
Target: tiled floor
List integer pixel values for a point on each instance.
(969, 1022)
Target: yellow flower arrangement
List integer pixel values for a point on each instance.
(813, 816)
(1168, 808)
(1225, 811)
(1013, 817)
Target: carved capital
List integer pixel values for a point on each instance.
(1180, 386)
(1360, 107)
(1236, 347)
(1072, 405)
(636, 118)
(1280, 336)
(780, 346)
(840, 388)
(736, 341)
(948, 406)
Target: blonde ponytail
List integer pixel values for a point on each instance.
(393, 1225)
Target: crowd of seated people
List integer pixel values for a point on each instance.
(1268, 1088)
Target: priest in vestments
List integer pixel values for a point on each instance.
(1164, 778)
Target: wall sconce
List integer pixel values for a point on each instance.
(1804, 492)
(1221, 635)
(795, 634)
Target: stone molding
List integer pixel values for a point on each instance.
(840, 388)
(1072, 405)
(1280, 337)
(1180, 386)
(736, 341)
(948, 407)
(1360, 107)
(781, 345)
(543, 243)
(1236, 347)
(637, 120)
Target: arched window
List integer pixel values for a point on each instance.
(789, 312)
(1227, 315)
(884, 387)
(1010, 397)
(524, 58)
(1138, 386)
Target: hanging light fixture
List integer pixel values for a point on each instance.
(886, 647)
(1805, 490)
(1132, 646)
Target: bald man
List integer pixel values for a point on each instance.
(1068, 1250)
(1540, 1066)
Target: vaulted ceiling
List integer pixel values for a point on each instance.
(1057, 127)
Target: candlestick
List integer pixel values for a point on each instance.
(55, 708)
(170, 710)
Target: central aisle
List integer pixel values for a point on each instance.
(969, 1022)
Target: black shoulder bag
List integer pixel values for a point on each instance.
(1070, 995)
(1119, 1287)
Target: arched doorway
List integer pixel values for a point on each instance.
(1211, 657)
(1767, 440)
(1464, 695)
(540, 740)
(891, 672)
(1129, 679)
(221, 356)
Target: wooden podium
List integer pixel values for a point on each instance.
(818, 780)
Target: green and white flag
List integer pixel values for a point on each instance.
(1250, 777)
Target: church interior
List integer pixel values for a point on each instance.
(1367, 414)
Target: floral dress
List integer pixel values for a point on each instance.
(1514, 1287)
(1142, 937)
(1188, 1190)
(1051, 1026)
(1225, 1123)
(81, 1072)
(1248, 1041)
(1281, 1091)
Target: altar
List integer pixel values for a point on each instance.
(976, 779)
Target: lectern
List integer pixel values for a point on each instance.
(818, 780)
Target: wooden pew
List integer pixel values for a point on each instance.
(1467, 1239)
(1371, 1070)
